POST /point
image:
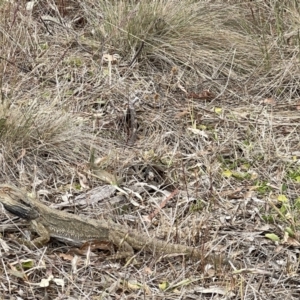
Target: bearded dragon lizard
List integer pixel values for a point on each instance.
(76, 230)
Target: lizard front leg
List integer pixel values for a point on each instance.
(40, 241)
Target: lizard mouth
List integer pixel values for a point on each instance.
(24, 213)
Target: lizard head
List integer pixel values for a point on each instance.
(16, 202)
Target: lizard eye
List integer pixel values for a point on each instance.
(24, 203)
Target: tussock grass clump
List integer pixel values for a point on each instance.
(231, 42)
(207, 40)
(274, 28)
(40, 141)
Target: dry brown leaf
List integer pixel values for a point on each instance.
(66, 256)
(287, 240)
(148, 271)
(270, 101)
(204, 95)
(94, 245)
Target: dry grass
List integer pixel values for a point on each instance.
(198, 96)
